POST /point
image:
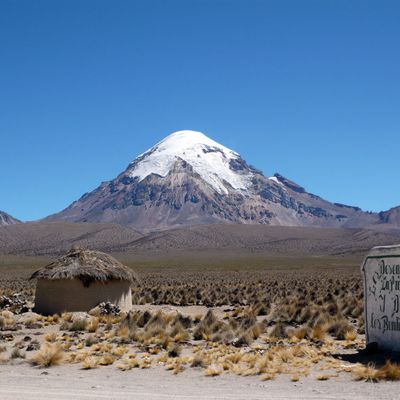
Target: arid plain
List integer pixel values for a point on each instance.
(284, 315)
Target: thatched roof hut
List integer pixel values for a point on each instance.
(80, 280)
(87, 266)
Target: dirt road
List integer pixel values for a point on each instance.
(70, 382)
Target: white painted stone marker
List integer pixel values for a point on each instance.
(381, 270)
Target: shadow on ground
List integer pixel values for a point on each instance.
(371, 355)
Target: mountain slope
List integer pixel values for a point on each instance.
(390, 220)
(7, 219)
(44, 238)
(271, 240)
(38, 238)
(189, 179)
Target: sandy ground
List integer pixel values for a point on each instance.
(22, 381)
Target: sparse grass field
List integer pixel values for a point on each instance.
(256, 320)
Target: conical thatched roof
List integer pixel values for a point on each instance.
(86, 265)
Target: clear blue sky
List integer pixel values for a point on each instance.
(310, 89)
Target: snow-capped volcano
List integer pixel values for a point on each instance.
(215, 163)
(188, 178)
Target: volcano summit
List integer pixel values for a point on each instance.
(188, 178)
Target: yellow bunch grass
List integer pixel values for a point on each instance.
(49, 355)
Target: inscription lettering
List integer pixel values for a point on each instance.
(382, 292)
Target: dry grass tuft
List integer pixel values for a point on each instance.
(90, 362)
(365, 373)
(320, 331)
(351, 335)
(198, 361)
(78, 324)
(50, 337)
(107, 359)
(299, 333)
(213, 370)
(268, 376)
(93, 324)
(49, 355)
(67, 317)
(389, 372)
(324, 377)
(278, 331)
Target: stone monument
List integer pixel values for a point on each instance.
(381, 274)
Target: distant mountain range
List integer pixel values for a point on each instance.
(189, 179)
(7, 219)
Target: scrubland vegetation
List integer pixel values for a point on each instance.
(262, 323)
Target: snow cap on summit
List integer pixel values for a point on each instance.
(211, 160)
